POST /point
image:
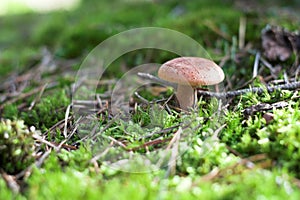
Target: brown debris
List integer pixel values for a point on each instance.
(268, 117)
(264, 107)
(279, 44)
(10, 182)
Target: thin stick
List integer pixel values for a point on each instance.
(166, 130)
(285, 76)
(174, 152)
(150, 143)
(255, 67)
(117, 142)
(102, 153)
(10, 182)
(267, 64)
(217, 30)
(32, 104)
(93, 136)
(156, 79)
(174, 138)
(26, 172)
(66, 121)
(65, 140)
(58, 124)
(242, 32)
(42, 140)
(258, 90)
(28, 94)
(143, 100)
(99, 100)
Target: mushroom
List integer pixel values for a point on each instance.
(189, 73)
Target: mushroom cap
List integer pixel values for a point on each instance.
(193, 71)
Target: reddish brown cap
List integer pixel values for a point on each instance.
(192, 71)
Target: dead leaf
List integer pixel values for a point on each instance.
(268, 117)
(279, 44)
(157, 90)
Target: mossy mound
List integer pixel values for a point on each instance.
(16, 146)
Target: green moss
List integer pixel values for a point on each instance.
(79, 159)
(50, 110)
(7, 193)
(76, 184)
(72, 185)
(283, 139)
(279, 139)
(204, 156)
(10, 111)
(255, 184)
(16, 146)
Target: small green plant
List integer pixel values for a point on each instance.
(48, 111)
(16, 146)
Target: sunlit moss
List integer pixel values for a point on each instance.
(16, 146)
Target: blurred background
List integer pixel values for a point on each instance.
(69, 29)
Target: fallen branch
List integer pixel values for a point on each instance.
(28, 94)
(258, 90)
(229, 94)
(10, 182)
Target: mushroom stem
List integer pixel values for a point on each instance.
(186, 96)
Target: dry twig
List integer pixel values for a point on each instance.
(10, 182)
(28, 94)
(174, 153)
(258, 90)
(230, 94)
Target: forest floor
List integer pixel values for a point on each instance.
(60, 137)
